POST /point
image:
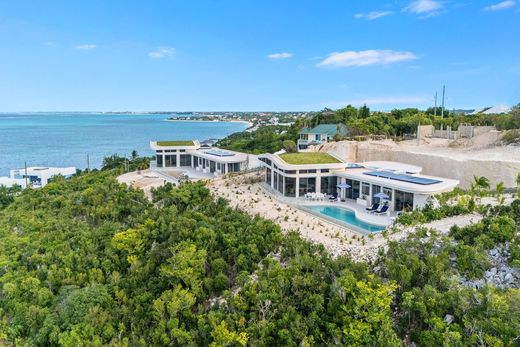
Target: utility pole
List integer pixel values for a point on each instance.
(435, 109)
(443, 93)
(88, 163)
(25, 165)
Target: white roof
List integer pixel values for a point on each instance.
(221, 155)
(498, 109)
(392, 166)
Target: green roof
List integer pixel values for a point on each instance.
(175, 143)
(302, 158)
(329, 129)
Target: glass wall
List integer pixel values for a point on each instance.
(268, 176)
(195, 161)
(185, 160)
(233, 167)
(403, 201)
(290, 186)
(159, 160)
(307, 185)
(375, 189)
(170, 160)
(280, 183)
(328, 185)
(348, 191)
(365, 189)
(212, 166)
(388, 191)
(355, 189)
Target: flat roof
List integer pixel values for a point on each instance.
(220, 155)
(175, 143)
(391, 166)
(436, 184)
(303, 158)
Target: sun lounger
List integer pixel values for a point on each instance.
(382, 211)
(374, 207)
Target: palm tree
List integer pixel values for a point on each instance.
(499, 192)
(480, 185)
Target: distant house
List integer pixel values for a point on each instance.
(320, 134)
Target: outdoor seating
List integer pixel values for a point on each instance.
(374, 207)
(382, 211)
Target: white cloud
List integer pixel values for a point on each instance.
(429, 7)
(276, 56)
(365, 58)
(86, 46)
(373, 15)
(504, 5)
(391, 100)
(162, 52)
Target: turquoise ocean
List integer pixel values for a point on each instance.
(65, 139)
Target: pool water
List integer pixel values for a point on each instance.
(345, 216)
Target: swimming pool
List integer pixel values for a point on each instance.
(345, 216)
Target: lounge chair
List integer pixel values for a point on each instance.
(382, 211)
(374, 207)
(333, 197)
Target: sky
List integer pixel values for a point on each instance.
(249, 55)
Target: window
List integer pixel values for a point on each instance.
(212, 166)
(233, 167)
(365, 189)
(403, 201)
(185, 160)
(182, 150)
(290, 172)
(290, 186)
(195, 161)
(159, 160)
(268, 176)
(388, 191)
(170, 160)
(355, 189)
(328, 185)
(280, 183)
(307, 185)
(349, 191)
(375, 189)
(324, 170)
(307, 171)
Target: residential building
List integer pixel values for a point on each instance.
(320, 134)
(191, 156)
(38, 176)
(405, 188)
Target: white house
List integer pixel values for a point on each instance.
(39, 176)
(191, 155)
(405, 188)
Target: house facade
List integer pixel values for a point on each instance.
(403, 185)
(320, 134)
(191, 155)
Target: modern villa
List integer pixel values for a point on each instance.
(320, 134)
(39, 176)
(190, 155)
(401, 186)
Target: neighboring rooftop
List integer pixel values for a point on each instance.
(302, 158)
(175, 143)
(329, 129)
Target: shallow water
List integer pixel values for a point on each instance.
(65, 139)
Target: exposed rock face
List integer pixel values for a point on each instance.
(500, 274)
(498, 164)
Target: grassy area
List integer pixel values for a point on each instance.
(308, 158)
(175, 143)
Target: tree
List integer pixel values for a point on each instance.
(289, 146)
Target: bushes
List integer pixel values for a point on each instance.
(487, 233)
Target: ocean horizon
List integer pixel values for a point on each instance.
(68, 138)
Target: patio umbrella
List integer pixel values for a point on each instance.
(343, 185)
(382, 196)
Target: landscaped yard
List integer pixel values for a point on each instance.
(175, 143)
(308, 158)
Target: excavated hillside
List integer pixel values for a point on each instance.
(483, 155)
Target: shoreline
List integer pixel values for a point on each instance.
(211, 121)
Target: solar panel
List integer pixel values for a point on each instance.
(219, 153)
(403, 178)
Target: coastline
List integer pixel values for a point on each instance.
(249, 124)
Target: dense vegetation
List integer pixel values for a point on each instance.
(90, 262)
(361, 121)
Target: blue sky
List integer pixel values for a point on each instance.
(248, 55)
